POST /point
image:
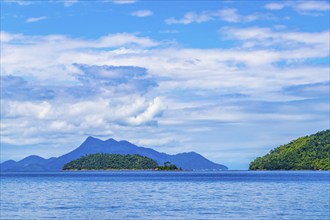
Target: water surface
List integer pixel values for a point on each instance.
(166, 195)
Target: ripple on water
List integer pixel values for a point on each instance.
(162, 195)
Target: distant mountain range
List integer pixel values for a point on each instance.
(187, 161)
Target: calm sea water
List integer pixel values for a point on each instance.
(166, 195)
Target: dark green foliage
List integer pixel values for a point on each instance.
(306, 153)
(168, 166)
(111, 161)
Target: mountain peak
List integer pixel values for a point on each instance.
(90, 142)
(91, 139)
(32, 158)
(111, 140)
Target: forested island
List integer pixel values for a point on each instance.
(102, 161)
(305, 153)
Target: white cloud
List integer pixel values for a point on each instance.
(256, 36)
(85, 116)
(203, 65)
(313, 6)
(7, 37)
(58, 60)
(228, 14)
(117, 40)
(155, 108)
(303, 7)
(142, 13)
(111, 40)
(275, 6)
(25, 109)
(36, 19)
(191, 17)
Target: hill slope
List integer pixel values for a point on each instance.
(187, 161)
(306, 153)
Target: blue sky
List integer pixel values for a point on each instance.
(227, 79)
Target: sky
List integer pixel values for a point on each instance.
(230, 80)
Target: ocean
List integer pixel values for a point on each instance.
(166, 195)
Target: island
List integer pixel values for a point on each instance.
(168, 166)
(305, 153)
(102, 161)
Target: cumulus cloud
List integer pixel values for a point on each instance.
(155, 108)
(101, 97)
(36, 19)
(142, 13)
(98, 116)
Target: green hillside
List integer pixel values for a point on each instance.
(306, 153)
(111, 161)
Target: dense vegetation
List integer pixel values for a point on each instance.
(168, 166)
(306, 153)
(111, 161)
